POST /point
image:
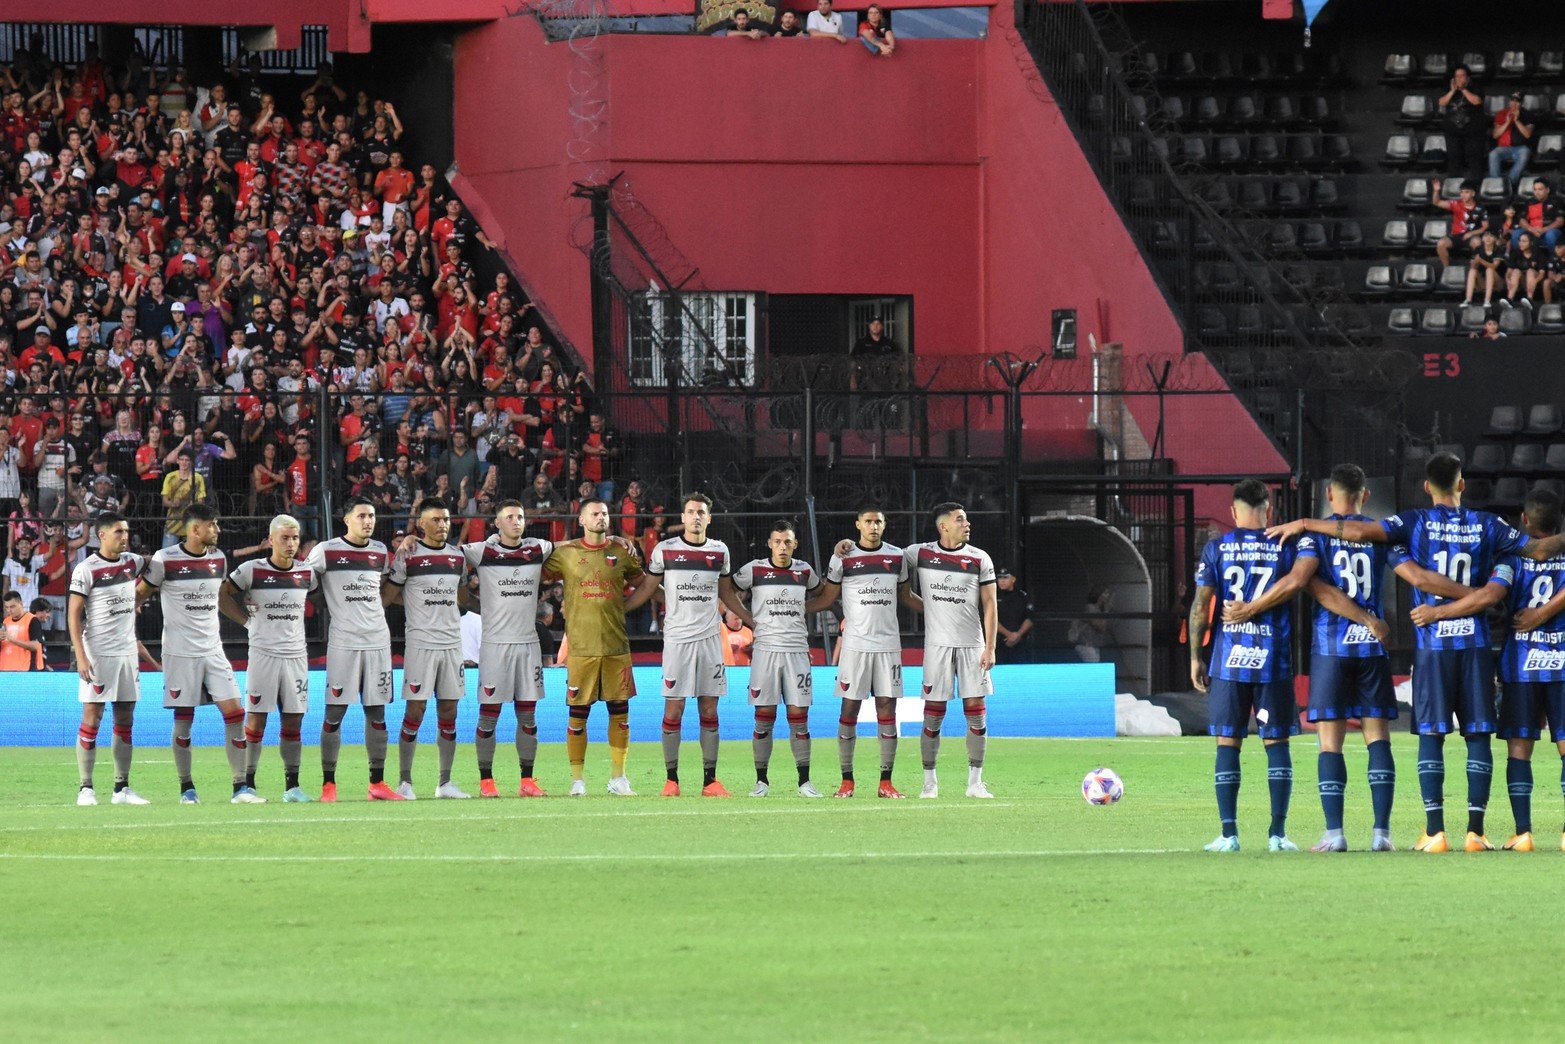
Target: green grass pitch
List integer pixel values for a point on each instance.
(1032, 917)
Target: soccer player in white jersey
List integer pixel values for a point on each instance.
(267, 597)
(428, 576)
(510, 657)
(694, 571)
(870, 576)
(955, 581)
(102, 621)
(780, 666)
(186, 578)
(351, 569)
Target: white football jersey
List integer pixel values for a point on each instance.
(350, 579)
(949, 582)
(690, 578)
(187, 591)
(777, 597)
(869, 582)
(109, 625)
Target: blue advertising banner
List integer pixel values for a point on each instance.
(41, 710)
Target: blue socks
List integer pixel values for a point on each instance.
(1431, 781)
(1480, 774)
(1226, 778)
(1279, 779)
(1333, 771)
(1382, 782)
(1518, 783)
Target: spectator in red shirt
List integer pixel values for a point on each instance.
(1469, 220)
(394, 185)
(1512, 136)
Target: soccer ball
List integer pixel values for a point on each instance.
(1102, 786)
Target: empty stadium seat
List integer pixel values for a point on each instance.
(1378, 280)
(1253, 196)
(1216, 276)
(1299, 276)
(1289, 195)
(1314, 109)
(1472, 318)
(1437, 322)
(1244, 109)
(1415, 194)
(1487, 459)
(1143, 192)
(1255, 67)
(1216, 194)
(1526, 457)
(1207, 110)
(1313, 238)
(1304, 150)
(1432, 152)
(1402, 322)
(1508, 493)
(1181, 66)
(1477, 63)
(1283, 236)
(1173, 108)
(1217, 67)
(1551, 319)
(1534, 103)
(1514, 321)
(1399, 150)
(1436, 67)
(1506, 420)
(1350, 236)
(1544, 419)
(1398, 235)
(1280, 110)
(1398, 68)
(1479, 493)
(1551, 64)
(1265, 150)
(1336, 150)
(1324, 194)
(1451, 188)
(1549, 148)
(1416, 110)
(1493, 103)
(1433, 231)
(1554, 486)
(1231, 150)
(1211, 322)
(1418, 278)
(1193, 149)
(1248, 322)
(1512, 66)
(1494, 190)
(1453, 281)
(1554, 457)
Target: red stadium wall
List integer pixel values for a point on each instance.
(797, 167)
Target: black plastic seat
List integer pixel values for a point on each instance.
(1506, 420)
(1216, 194)
(1526, 457)
(1415, 194)
(1544, 419)
(1453, 281)
(1488, 458)
(1433, 231)
(1265, 150)
(1551, 319)
(1513, 66)
(1398, 235)
(1438, 321)
(1402, 322)
(1350, 236)
(1515, 321)
(1398, 68)
(1313, 238)
(1551, 64)
(1418, 278)
(1324, 194)
(1289, 195)
(1207, 110)
(1432, 152)
(1472, 318)
(1554, 457)
(1399, 150)
(1416, 110)
(1379, 280)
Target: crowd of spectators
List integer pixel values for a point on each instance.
(246, 291)
(874, 32)
(1516, 254)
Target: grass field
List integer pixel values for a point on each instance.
(1031, 917)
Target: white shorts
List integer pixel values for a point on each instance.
(780, 676)
(510, 673)
(433, 673)
(861, 675)
(945, 667)
(277, 683)
(196, 681)
(694, 669)
(115, 679)
(358, 676)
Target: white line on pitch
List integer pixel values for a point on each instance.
(591, 857)
(520, 817)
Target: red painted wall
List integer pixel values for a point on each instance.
(946, 173)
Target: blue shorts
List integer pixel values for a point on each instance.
(1525, 706)
(1351, 687)
(1453, 681)
(1230, 704)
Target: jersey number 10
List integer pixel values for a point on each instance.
(1458, 566)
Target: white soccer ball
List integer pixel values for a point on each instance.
(1102, 786)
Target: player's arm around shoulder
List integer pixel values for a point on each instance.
(646, 586)
(1430, 582)
(1332, 598)
(1474, 603)
(1294, 581)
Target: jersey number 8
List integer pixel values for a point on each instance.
(1542, 591)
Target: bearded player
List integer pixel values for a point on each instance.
(596, 572)
(267, 597)
(780, 667)
(186, 577)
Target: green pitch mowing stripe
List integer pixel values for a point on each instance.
(1032, 917)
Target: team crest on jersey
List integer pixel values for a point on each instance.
(97, 689)
(612, 560)
(336, 690)
(173, 694)
(255, 697)
(668, 682)
(844, 686)
(488, 690)
(413, 687)
(755, 693)
(928, 688)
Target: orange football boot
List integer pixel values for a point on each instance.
(486, 788)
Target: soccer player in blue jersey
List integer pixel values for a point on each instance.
(1532, 661)
(1452, 672)
(1251, 668)
(1350, 673)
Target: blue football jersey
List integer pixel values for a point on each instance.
(1460, 544)
(1357, 570)
(1533, 656)
(1243, 565)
